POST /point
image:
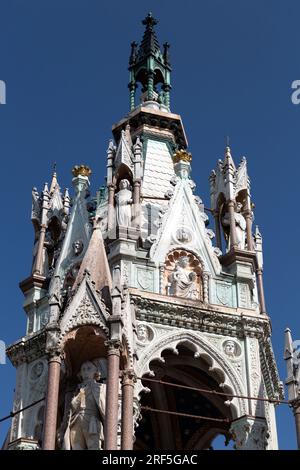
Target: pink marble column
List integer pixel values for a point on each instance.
(261, 293)
(51, 403)
(128, 381)
(38, 265)
(248, 217)
(233, 239)
(112, 395)
(296, 409)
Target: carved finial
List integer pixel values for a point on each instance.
(182, 156)
(82, 170)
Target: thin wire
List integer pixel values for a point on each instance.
(214, 392)
(185, 415)
(14, 413)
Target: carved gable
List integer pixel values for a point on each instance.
(86, 308)
(183, 226)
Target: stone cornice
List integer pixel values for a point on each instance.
(199, 316)
(27, 348)
(154, 118)
(35, 280)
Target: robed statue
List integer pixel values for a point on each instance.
(123, 204)
(83, 423)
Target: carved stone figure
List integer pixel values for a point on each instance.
(142, 333)
(123, 204)
(77, 247)
(86, 414)
(183, 235)
(230, 348)
(36, 371)
(183, 281)
(240, 226)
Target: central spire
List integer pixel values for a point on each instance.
(150, 67)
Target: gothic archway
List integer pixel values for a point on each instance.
(189, 362)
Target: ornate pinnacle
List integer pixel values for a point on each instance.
(149, 21)
(82, 170)
(182, 156)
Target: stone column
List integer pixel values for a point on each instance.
(261, 293)
(132, 87)
(296, 410)
(218, 231)
(233, 239)
(166, 89)
(38, 268)
(51, 403)
(136, 203)
(150, 85)
(250, 433)
(128, 381)
(112, 395)
(248, 217)
(111, 223)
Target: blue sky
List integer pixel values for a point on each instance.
(65, 67)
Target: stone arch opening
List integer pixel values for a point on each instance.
(184, 365)
(80, 345)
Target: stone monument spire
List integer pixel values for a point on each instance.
(130, 283)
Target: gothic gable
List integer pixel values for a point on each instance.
(85, 308)
(183, 226)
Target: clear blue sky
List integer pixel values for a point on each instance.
(65, 66)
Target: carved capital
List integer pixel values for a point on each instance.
(113, 347)
(53, 347)
(128, 377)
(250, 433)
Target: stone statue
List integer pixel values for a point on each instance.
(86, 414)
(124, 201)
(183, 283)
(77, 247)
(240, 226)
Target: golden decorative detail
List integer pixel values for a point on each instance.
(182, 156)
(82, 170)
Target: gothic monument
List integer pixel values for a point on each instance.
(131, 296)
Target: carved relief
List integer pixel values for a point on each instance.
(144, 279)
(231, 349)
(223, 293)
(144, 333)
(183, 235)
(183, 275)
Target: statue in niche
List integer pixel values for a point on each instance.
(84, 421)
(183, 282)
(123, 204)
(240, 226)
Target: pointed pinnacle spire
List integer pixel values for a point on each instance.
(149, 42)
(46, 189)
(288, 344)
(54, 179)
(96, 263)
